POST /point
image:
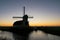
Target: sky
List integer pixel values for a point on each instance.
(45, 12)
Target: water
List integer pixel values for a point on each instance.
(6, 35)
(34, 35)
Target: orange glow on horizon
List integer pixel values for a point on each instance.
(44, 24)
(32, 24)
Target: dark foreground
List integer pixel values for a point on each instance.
(51, 30)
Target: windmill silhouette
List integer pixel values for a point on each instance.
(24, 22)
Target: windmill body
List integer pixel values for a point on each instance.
(22, 23)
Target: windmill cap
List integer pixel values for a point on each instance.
(25, 16)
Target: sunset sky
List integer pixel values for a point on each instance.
(45, 12)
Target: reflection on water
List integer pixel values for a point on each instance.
(40, 35)
(6, 35)
(34, 35)
(18, 37)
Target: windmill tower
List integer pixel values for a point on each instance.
(24, 22)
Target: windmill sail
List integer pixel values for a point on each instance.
(23, 10)
(17, 17)
(23, 14)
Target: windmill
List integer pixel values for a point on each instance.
(24, 22)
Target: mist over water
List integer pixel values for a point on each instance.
(34, 35)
